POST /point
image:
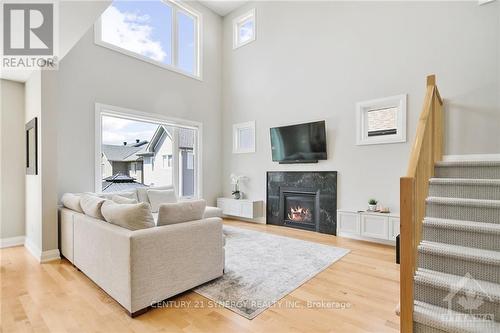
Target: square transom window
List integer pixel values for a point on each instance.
(244, 29)
(381, 121)
(164, 33)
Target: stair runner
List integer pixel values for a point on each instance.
(457, 283)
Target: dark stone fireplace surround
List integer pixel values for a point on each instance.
(319, 188)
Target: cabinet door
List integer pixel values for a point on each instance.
(247, 209)
(233, 207)
(374, 226)
(348, 222)
(394, 222)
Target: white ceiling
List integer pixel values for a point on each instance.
(223, 7)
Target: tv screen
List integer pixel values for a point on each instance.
(299, 143)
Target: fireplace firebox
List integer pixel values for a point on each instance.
(299, 207)
(305, 200)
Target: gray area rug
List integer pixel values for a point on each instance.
(262, 268)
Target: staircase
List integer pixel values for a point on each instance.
(457, 278)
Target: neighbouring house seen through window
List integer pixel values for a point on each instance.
(142, 154)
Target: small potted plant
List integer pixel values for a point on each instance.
(372, 205)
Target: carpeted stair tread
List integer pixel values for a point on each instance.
(439, 318)
(449, 282)
(460, 252)
(462, 202)
(465, 181)
(472, 226)
(471, 164)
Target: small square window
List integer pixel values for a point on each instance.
(244, 29)
(381, 121)
(244, 137)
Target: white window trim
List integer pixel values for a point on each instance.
(236, 141)
(176, 5)
(236, 31)
(116, 111)
(398, 101)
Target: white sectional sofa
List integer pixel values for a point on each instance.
(141, 267)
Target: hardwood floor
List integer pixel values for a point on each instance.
(55, 297)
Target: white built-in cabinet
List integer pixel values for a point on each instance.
(249, 209)
(369, 226)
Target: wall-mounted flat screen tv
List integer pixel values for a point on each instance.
(302, 143)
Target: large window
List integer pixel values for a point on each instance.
(162, 32)
(136, 151)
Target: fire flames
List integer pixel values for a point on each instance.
(299, 214)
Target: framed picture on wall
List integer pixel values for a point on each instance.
(31, 129)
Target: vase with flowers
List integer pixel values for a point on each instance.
(235, 182)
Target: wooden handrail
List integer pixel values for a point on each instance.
(427, 149)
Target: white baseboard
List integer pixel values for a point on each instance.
(40, 256)
(11, 241)
(471, 157)
(50, 255)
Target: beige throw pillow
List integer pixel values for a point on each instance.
(110, 195)
(158, 197)
(129, 216)
(123, 200)
(72, 201)
(142, 192)
(172, 213)
(91, 205)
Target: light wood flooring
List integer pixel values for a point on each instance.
(55, 297)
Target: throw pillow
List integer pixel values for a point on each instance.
(142, 192)
(110, 195)
(123, 200)
(158, 197)
(129, 216)
(72, 201)
(172, 213)
(91, 205)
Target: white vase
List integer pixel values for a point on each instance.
(372, 208)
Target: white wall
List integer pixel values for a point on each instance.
(314, 61)
(12, 168)
(33, 185)
(90, 73)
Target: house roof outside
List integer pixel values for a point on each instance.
(120, 182)
(186, 139)
(123, 153)
(135, 151)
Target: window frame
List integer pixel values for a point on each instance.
(237, 149)
(176, 7)
(125, 113)
(238, 22)
(362, 108)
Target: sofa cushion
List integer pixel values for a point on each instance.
(130, 216)
(110, 195)
(158, 197)
(172, 213)
(91, 205)
(72, 201)
(142, 192)
(123, 200)
(212, 212)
